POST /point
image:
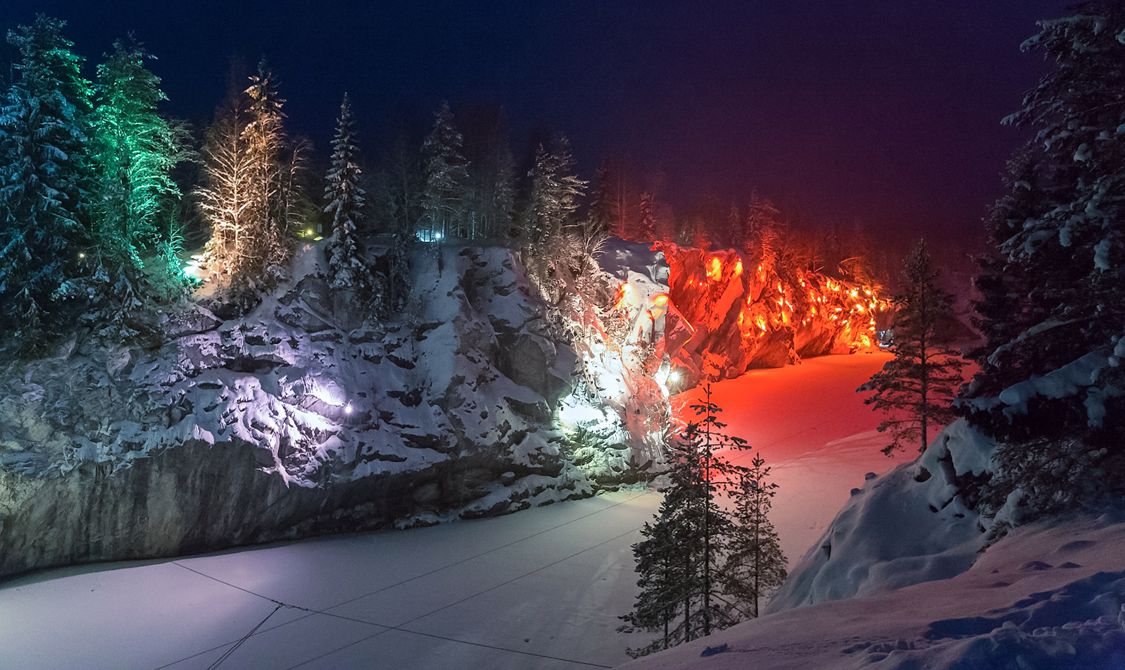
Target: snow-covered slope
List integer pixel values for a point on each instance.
(303, 416)
(910, 525)
(1046, 596)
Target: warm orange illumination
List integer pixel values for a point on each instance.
(660, 299)
(738, 268)
(715, 269)
(622, 293)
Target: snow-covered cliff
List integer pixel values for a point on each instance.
(303, 416)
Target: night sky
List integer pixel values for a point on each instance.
(885, 112)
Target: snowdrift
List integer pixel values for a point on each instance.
(908, 526)
(1045, 596)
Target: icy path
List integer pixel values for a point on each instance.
(538, 589)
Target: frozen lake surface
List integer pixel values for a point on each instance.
(538, 589)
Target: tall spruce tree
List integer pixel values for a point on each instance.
(135, 152)
(250, 185)
(917, 387)
(44, 177)
(646, 219)
(556, 192)
(601, 217)
(755, 565)
(681, 562)
(1051, 283)
(445, 195)
(345, 198)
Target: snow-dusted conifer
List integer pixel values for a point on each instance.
(445, 193)
(226, 195)
(680, 560)
(265, 141)
(345, 199)
(646, 218)
(1051, 284)
(755, 565)
(44, 175)
(135, 151)
(765, 232)
(917, 387)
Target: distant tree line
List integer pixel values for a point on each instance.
(103, 197)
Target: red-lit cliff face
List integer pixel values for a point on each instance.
(746, 315)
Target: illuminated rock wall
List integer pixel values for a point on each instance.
(717, 314)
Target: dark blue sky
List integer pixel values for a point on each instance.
(883, 111)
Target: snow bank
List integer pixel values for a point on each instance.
(1046, 596)
(908, 526)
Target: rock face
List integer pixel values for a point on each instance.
(303, 416)
(744, 315)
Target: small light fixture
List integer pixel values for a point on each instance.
(348, 408)
(81, 255)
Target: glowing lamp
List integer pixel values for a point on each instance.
(348, 408)
(81, 255)
(309, 232)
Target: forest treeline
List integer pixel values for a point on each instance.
(104, 196)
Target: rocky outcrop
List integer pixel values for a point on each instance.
(746, 315)
(305, 415)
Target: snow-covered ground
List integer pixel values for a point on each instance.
(1044, 597)
(538, 589)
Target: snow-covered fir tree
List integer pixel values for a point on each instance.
(445, 194)
(917, 387)
(755, 565)
(646, 218)
(135, 152)
(1051, 298)
(556, 192)
(682, 562)
(765, 232)
(345, 198)
(44, 177)
(601, 217)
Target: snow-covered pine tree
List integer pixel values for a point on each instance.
(917, 387)
(135, 152)
(661, 580)
(445, 193)
(537, 219)
(345, 198)
(755, 565)
(44, 176)
(735, 231)
(602, 216)
(1051, 285)
(679, 563)
(646, 219)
